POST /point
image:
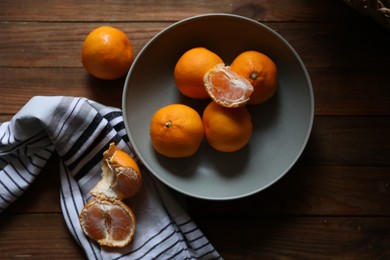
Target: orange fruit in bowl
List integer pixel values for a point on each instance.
(107, 53)
(176, 131)
(121, 176)
(227, 129)
(190, 69)
(226, 87)
(110, 223)
(260, 71)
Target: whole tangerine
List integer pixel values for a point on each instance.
(190, 69)
(227, 129)
(176, 131)
(107, 53)
(260, 71)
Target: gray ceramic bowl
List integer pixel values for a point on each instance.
(282, 125)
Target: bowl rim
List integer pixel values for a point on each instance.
(256, 23)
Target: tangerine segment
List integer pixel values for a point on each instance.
(226, 87)
(190, 69)
(260, 71)
(121, 177)
(227, 129)
(110, 223)
(176, 131)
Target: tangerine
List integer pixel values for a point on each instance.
(176, 131)
(110, 223)
(120, 158)
(106, 219)
(107, 53)
(190, 69)
(226, 87)
(121, 176)
(227, 129)
(260, 71)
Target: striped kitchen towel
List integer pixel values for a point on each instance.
(79, 130)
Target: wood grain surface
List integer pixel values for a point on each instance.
(333, 204)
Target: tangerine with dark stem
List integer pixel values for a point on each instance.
(260, 71)
(176, 131)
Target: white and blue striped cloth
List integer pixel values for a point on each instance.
(79, 130)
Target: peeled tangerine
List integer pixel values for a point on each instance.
(121, 177)
(226, 87)
(106, 219)
(110, 223)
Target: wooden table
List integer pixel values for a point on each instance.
(334, 203)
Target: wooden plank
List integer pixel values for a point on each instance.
(336, 92)
(46, 236)
(4, 118)
(312, 191)
(18, 86)
(305, 190)
(269, 237)
(355, 91)
(59, 44)
(349, 141)
(362, 47)
(39, 236)
(170, 10)
(349, 79)
(343, 46)
(353, 141)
